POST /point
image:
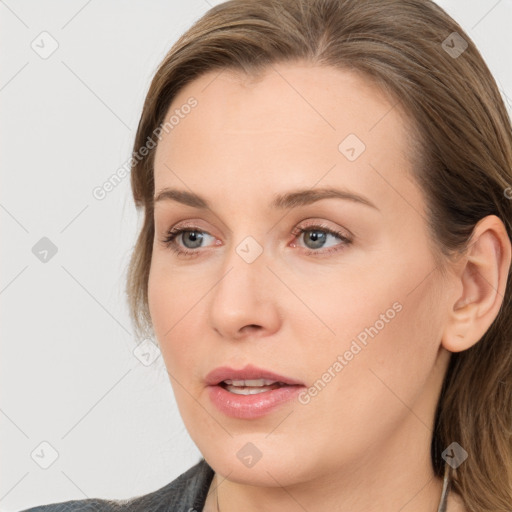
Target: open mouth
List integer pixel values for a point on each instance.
(250, 392)
(250, 386)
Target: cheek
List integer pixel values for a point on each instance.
(380, 369)
(177, 308)
(171, 296)
(160, 293)
(166, 311)
(386, 324)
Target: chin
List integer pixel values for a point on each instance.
(251, 459)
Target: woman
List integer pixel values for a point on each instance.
(324, 260)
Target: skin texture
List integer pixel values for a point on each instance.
(363, 442)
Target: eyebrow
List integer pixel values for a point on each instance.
(280, 201)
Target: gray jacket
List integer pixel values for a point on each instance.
(187, 493)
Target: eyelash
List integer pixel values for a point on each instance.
(172, 234)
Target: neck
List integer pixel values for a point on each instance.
(399, 478)
(420, 498)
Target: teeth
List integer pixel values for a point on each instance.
(251, 386)
(252, 382)
(248, 390)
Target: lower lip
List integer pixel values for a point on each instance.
(251, 406)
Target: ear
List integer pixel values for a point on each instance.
(481, 283)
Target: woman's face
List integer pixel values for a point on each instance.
(351, 310)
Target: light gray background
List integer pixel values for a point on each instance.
(68, 373)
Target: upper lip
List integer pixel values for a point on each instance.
(222, 373)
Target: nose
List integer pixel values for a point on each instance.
(243, 303)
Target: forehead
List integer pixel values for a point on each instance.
(289, 125)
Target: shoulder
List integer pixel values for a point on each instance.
(184, 494)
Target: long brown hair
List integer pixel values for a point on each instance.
(464, 156)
